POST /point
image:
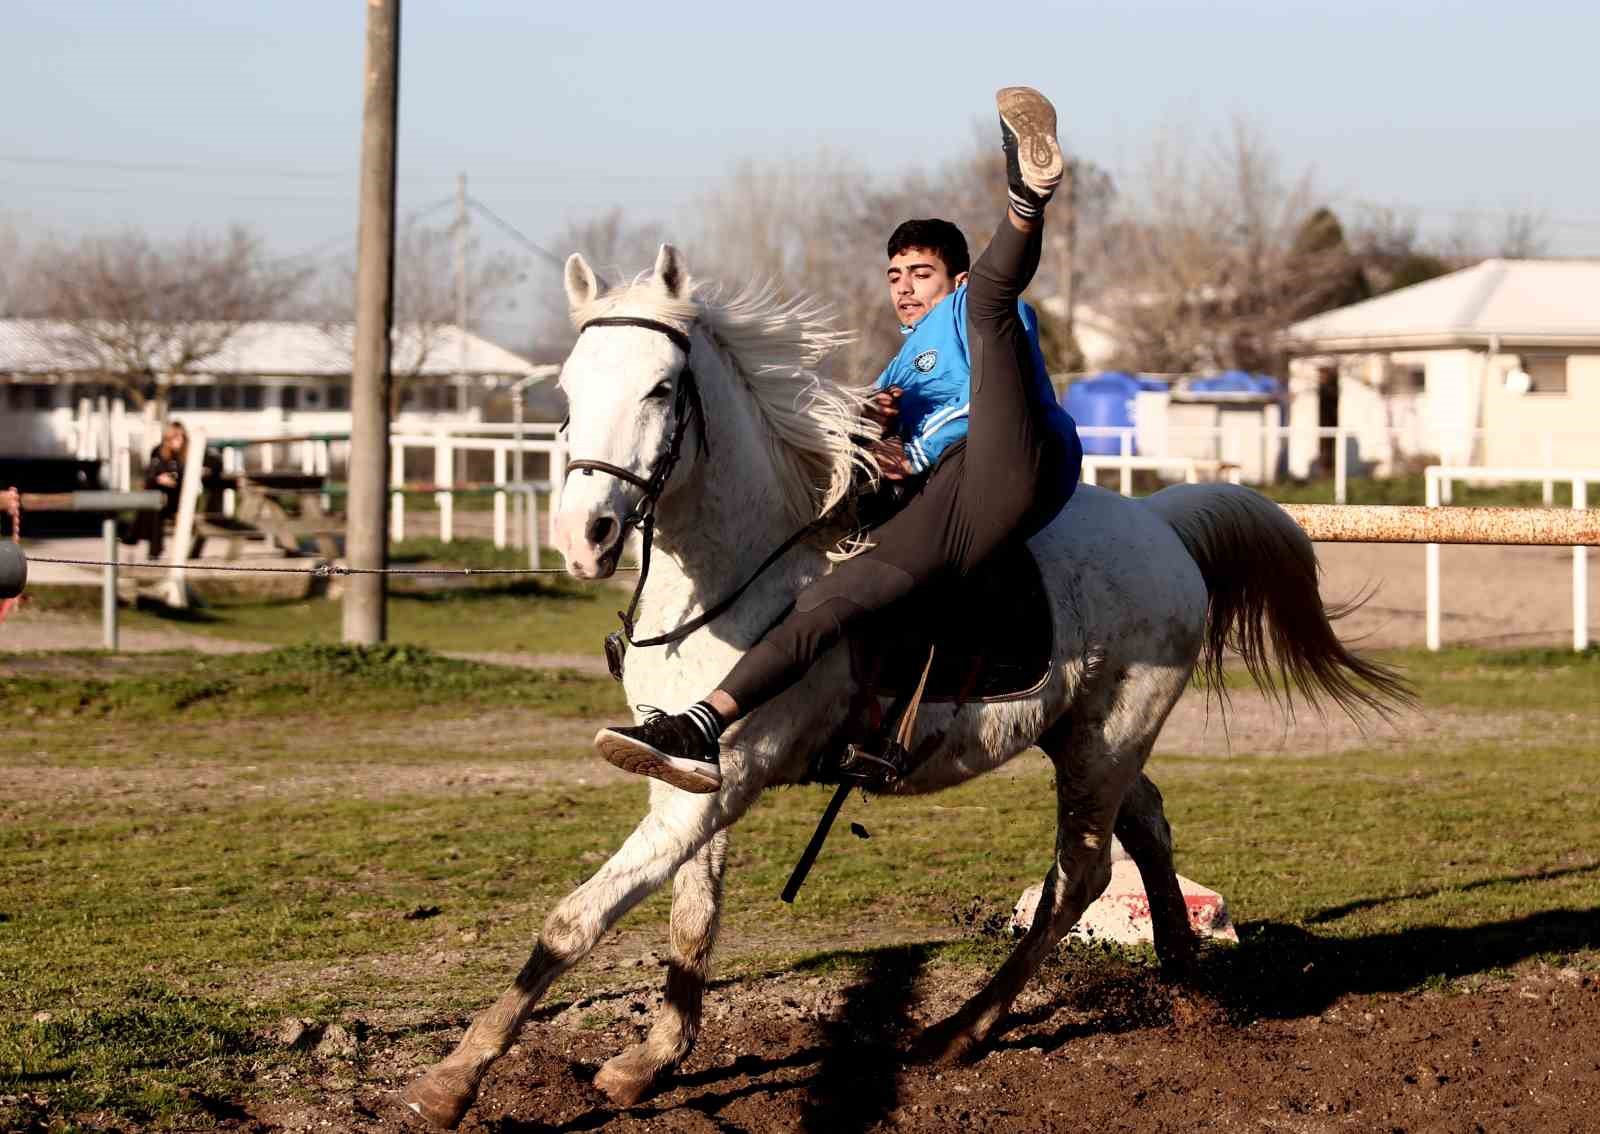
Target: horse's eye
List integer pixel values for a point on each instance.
(660, 391)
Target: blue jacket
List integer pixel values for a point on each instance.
(934, 370)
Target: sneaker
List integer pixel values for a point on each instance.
(1034, 165)
(667, 747)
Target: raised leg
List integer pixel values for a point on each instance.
(1090, 785)
(696, 907)
(678, 826)
(1143, 830)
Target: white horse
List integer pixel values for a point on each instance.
(1142, 592)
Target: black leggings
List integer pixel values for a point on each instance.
(1006, 481)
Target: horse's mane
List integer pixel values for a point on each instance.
(775, 346)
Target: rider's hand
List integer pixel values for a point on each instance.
(889, 454)
(883, 410)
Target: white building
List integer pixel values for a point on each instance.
(270, 379)
(1497, 364)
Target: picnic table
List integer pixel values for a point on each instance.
(283, 509)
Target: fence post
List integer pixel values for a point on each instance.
(1125, 449)
(183, 529)
(443, 477)
(533, 527)
(1549, 459)
(1580, 575)
(1341, 461)
(499, 496)
(1431, 566)
(108, 593)
(308, 458)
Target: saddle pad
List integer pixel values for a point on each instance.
(992, 635)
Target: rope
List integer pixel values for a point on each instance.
(321, 570)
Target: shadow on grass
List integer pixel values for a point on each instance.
(1284, 971)
(1334, 913)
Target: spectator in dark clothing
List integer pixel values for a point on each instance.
(164, 472)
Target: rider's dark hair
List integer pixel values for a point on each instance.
(936, 236)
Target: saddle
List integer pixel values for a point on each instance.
(992, 637)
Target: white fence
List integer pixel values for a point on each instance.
(1438, 481)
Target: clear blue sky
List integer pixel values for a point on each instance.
(166, 115)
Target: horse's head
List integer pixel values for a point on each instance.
(631, 401)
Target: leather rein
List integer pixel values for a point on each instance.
(685, 405)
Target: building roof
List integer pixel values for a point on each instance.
(1518, 302)
(42, 346)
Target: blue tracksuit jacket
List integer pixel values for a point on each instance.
(935, 372)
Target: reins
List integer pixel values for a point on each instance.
(685, 405)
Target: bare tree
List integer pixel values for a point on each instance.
(12, 261)
(614, 246)
(135, 314)
(426, 306)
(1215, 253)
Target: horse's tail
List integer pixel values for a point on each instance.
(1261, 574)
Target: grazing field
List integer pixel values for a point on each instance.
(256, 891)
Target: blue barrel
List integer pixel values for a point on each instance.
(1237, 382)
(1104, 400)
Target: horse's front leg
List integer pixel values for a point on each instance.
(677, 827)
(696, 906)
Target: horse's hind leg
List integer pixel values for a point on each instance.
(1143, 830)
(1090, 785)
(696, 904)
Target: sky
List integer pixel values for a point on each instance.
(169, 116)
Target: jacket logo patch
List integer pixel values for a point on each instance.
(926, 361)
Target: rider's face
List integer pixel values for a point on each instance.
(918, 280)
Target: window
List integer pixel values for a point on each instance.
(1411, 379)
(311, 398)
(289, 398)
(43, 397)
(1548, 373)
(205, 397)
(338, 397)
(180, 398)
(227, 397)
(250, 397)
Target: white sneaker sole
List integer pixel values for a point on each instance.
(645, 760)
(1032, 119)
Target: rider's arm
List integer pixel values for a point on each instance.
(940, 429)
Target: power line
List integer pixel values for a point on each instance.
(516, 234)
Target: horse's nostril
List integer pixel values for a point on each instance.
(601, 531)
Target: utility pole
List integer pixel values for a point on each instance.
(461, 291)
(367, 519)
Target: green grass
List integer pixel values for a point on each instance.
(530, 615)
(1412, 489)
(326, 682)
(163, 929)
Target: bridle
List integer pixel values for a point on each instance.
(685, 405)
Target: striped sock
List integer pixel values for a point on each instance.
(707, 720)
(1024, 207)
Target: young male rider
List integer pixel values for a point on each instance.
(969, 399)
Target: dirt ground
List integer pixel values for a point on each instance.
(799, 1052)
(1086, 1048)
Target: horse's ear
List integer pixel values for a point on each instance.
(582, 284)
(671, 272)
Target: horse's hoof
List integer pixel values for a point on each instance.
(1193, 1009)
(438, 1105)
(947, 1045)
(621, 1084)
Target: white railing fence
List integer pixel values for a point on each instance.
(1438, 479)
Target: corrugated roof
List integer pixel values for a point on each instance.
(41, 346)
(1529, 302)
